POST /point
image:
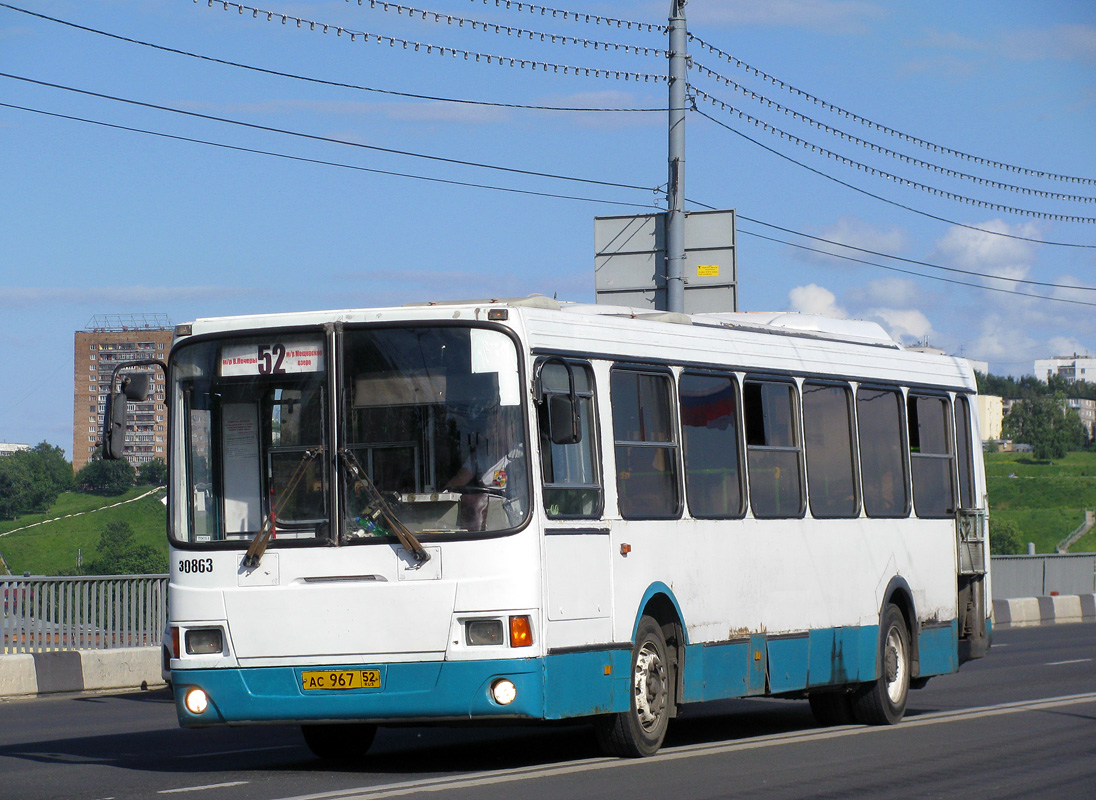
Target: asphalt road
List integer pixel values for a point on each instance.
(1020, 723)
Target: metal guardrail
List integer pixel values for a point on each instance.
(82, 613)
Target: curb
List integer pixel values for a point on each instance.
(24, 674)
(1023, 612)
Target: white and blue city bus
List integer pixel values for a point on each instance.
(528, 510)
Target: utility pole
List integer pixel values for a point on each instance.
(675, 187)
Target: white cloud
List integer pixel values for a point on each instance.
(979, 251)
(815, 299)
(907, 325)
(888, 292)
(1052, 43)
(1068, 345)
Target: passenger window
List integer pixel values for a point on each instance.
(831, 460)
(772, 449)
(964, 445)
(931, 457)
(646, 448)
(572, 474)
(882, 452)
(710, 439)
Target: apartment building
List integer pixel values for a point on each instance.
(107, 341)
(1072, 368)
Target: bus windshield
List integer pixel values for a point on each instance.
(424, 430)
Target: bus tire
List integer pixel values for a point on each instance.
(831, 708)
(639, 731)
(883, 701)
(345, 742)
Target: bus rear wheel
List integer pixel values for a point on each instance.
(883, 701)
(640, 730)
(344, 742)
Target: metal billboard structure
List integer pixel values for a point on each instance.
(630, 261)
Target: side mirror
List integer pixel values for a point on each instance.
(563, 419)
(564, 422)
(114, 427)
(135, 387)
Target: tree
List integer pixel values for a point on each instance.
(120, 554)
(152, 473)
(107, 478)
(30, 480)
(1051, 429)
(1004, 538)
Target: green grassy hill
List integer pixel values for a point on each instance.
(74, 524)
(1045, 501)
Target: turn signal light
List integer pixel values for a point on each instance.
(521, 631)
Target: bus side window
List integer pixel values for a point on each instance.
(931, 458)
(646, 447)
(711, 445)
(773, 449)
(963, 449)
(831, 459)
(571, 472)
(882, 452)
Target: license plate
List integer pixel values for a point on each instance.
(341, 679)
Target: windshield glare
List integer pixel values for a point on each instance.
(430, 426)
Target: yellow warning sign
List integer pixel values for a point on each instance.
(707, 271)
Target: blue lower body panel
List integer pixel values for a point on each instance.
(558, 686)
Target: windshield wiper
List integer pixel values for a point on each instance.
(255, 552)
(380, 506)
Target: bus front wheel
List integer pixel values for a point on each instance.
(639, 731)
(344, 742)
(883, 701)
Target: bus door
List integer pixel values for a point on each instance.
(577, 540)
(971, 529)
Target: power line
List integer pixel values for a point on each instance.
(884, 199)
(848, 162)
(323, 162)
(915, 262)
(521, 33)
(924, 143)
(946, 171)
(578, 16)
(443, 50)
(326, 139)
(336, 84)
(917, 274)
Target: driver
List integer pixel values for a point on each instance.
(493, 466)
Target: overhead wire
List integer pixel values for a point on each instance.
(946, 171)
(509, 30)
(888, 201)
(917, 274)
(317, 138)
(875, 172)
(443, 50)
(577, 16)
(923, 143)
(323, 162)
(321, 81)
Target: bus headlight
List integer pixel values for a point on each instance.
(196, 701)
(504, 692)
(483, 631)
(204, 641)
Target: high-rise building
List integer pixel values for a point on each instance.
(109, 340)
(1072, 368)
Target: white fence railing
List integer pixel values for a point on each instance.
(82, 613)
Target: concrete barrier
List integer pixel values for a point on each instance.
(24, 674)
(79, 670)
(1022, 612)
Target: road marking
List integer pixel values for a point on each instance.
(1074, 661)
(203, 788)
(687, 751)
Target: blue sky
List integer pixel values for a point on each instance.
(101, 220)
